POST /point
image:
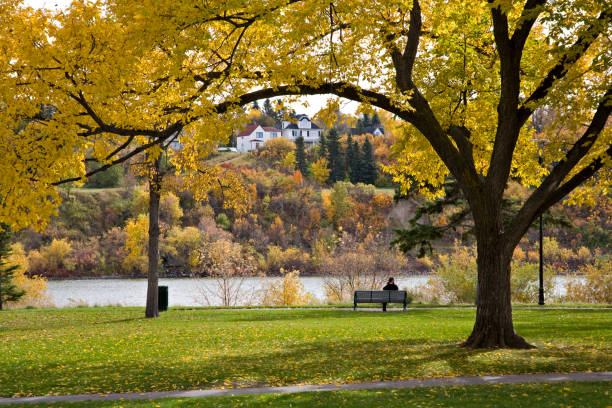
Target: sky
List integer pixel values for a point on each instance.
(314, 102)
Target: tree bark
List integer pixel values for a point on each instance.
(493, 327)
(153, 250)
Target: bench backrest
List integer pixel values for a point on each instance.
(380, 296)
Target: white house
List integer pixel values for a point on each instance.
(375, 130)
(304, 127)
(255, 135)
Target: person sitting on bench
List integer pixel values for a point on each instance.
(389, 286)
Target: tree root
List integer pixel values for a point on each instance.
(486, 339)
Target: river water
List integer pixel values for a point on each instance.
(189, 292)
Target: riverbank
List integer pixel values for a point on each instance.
(192, 292)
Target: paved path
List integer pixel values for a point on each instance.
(426, 382)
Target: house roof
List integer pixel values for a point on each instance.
(298, 118)
(295, 126)
(248, 130)
(369, 129)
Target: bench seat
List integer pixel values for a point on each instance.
(380, 296)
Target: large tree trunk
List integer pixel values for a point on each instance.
(494, 327)
(153, 252)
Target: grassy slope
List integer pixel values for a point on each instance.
(591, 395)
(59, 351)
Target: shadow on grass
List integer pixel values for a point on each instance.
(280, 315)
(320, 361)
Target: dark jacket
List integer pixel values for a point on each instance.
(390, 286)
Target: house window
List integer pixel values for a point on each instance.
(259, 134)
(274, 135)
(294, 133)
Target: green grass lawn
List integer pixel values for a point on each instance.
(90, 350)
(591, 395)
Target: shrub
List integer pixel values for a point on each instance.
(86, 257)
(290, 259)
(136, 244)
(52, 260)
(228, 264)
(179, 248)
(320, 171)
(584, 255)
(351, 267)
(276, 233)
(35, 287)
(454, 280)
(275, 150)
(140, 202)
(286, 291)
(289, 160)
(223, 221)
(337, 203)
(596, 285)
(170, 211)
(211, 231)
(113, 250)
(524, 281)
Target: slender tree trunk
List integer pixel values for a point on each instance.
(0, 290)
(494, 327)
(153, 252)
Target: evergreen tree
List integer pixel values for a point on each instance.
(364, 123)
(323, 146)
(268, 110)
(256, 106)
(375, 120)
(300, 156)
(8, 291)
(357, 165)
(334, 153)
(366, 120)
(352, 159)
(368, 167)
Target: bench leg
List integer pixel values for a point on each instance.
(354, 306)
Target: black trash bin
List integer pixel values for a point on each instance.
(162, 298)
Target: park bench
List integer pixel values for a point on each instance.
(380, 296)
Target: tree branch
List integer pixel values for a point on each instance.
(404, 63)
(530, 14)
(549, 191)
(573, 54)
(507, 130)
(120, 160)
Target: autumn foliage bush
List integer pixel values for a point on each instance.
(228, 264)
(286, 291)
(592, 284)
(289, 259)
(35, 286)
(352, 266)
(53, 258)
(453, 280)
(274, 151)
